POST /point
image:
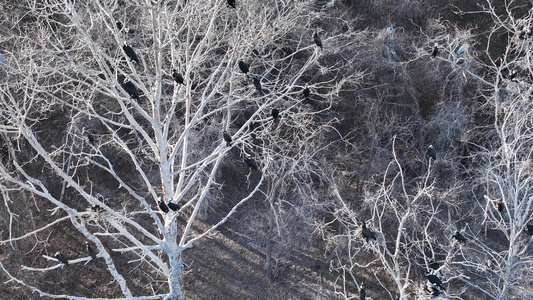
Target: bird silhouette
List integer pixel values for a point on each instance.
(227, 138)
(177, 76)
(257, 85)
(435, 280)
(435, 51)
(232, 3)
(173, 206)
(131, 89)
(245, 68)
(513, 74)
(251, 163)
(61, 258)
(528, 229)
(431, 152)
(306, 92)
(367, 233)
(362, 292)
(499, 206)
(163, 206)
(274, 112)
(459, 237)
(91, 252)
(317, 40)
(130, 52)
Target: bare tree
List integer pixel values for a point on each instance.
(117, 112)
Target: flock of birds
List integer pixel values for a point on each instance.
(133, 92)
(434, 280)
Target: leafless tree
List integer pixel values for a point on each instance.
(102, 141)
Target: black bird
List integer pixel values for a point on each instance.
(61, 258)
(131, 89)
(274, 112)
(130, 52)
(512, 74)
(528, 229)
(245, 68)
(367, 233)
(499, 206)
(435, 51)
(91, 252)
(435, 281)
(459, 237)
(362, 292)
(317, 40)
(227, 138)
(251, 128)
(231, 3)
(163, 206)
(257, 84)
(96, 208)
(251, 163)
(433, 264)
(431, 152)
(177, 76)
(307, 92)
(87, 134)
(173, 206)
(119, 25)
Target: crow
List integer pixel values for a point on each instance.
(245, 68)
(317, 40)
(227, 138)
(130, 52)
(163, 206)
(61, 258)
(367, 233)
(91, 253)
(435, 280)
(251, 163)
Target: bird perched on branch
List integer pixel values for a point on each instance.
(227, 138)
(173, 206)
(61, 258)
(431, 152)
(435, 280)
(245, 68)
(307, 91)
(257, 85)
(274, 112)
(231, 3)
(513, 74)
(163, 206)
(96, 208)
(91, 252)
(528, 229)
(130, 52)
(459, 237)
(131, 89)
(317, 40)
(435, 51)
(251, 163)
(367, 233)
(499, 206)
(362, 292)
(177, 76)
(87, 134)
